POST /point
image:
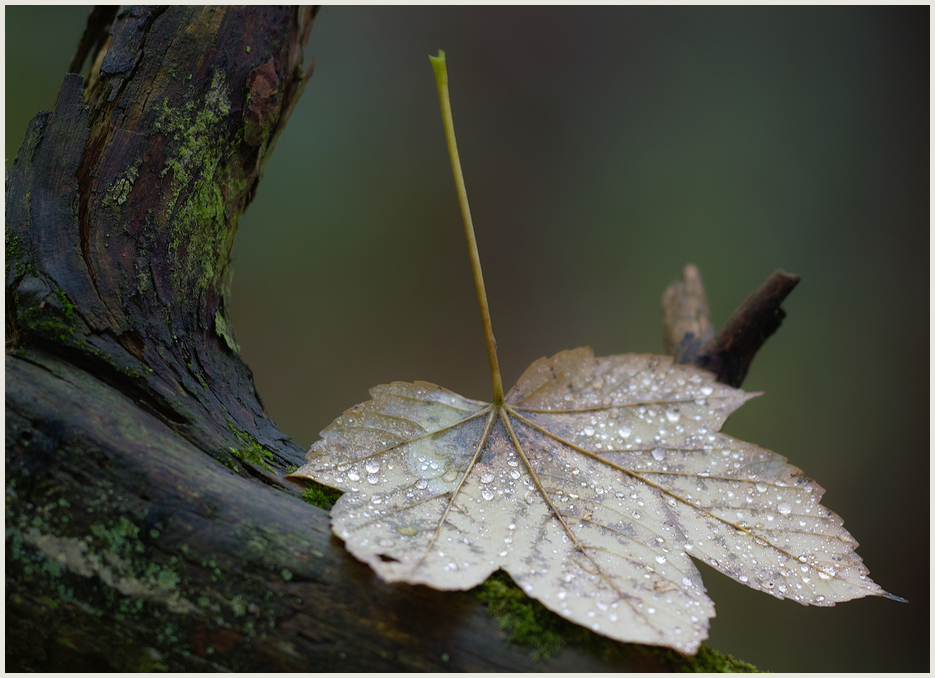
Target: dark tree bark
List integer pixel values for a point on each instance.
(148, 522)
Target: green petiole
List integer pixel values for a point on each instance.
(441, 79)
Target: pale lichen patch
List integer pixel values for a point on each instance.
(225, 331)
(119, 190)
(113, 570)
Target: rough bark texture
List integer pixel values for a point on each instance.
(148, 525)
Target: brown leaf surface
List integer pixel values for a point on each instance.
(591, 486)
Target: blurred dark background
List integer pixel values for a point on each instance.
(604, 149)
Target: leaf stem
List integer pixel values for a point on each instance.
(441, 79)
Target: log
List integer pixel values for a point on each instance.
(149, 525)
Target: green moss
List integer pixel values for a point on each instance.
(120, 538)
(320, 495)
(68, 308)
(711, 661)
(13, 247)
(200, 236)
(250, 451)
(52, 320)
(528, 623)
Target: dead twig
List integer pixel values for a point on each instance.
(690, 338)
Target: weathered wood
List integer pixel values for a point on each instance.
(690, 337)
(148, 523)
(121, 214)
(685, 316)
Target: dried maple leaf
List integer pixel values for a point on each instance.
(591, 483)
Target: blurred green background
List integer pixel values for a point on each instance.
(603, 149)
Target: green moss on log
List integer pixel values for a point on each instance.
(320, 495)
(528, 623)
(250, 451)
(199, 209)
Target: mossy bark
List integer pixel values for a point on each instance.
(148, 523)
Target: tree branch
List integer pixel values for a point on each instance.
(690, 338)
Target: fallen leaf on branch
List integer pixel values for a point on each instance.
(591, 485)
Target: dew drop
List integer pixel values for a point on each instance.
(784, 508)
(407, 530)
(660, 559)
(487, 478)
(421, 484)
(659, 454)
(761, 487)
(673, 414)
(624, 431)
(353, 475)
(372, 466)
(450, 476)
(373, 480)
(530, 496)
(706, 390)
(650, 610)
(486, 494)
